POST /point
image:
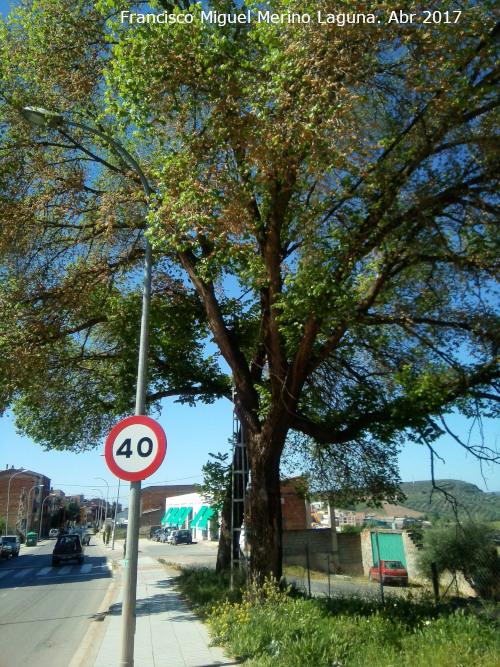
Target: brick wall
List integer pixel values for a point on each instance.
(295, 511)
(153, 497)
(22, 481)
(148, 519)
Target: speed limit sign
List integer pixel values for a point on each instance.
(135, 448)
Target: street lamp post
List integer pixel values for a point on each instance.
(116, 509)
(28, 506)
(51, 495)
(107, 498)
(99, 523)
(8, 498)
(116, 512)
(44, 118)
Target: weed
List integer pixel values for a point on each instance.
(274, 626)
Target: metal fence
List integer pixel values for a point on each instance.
(331, 584)
(478, 578)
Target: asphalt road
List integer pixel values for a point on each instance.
(45, 611)
(200, 554)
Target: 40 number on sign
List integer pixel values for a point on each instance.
(125, 449)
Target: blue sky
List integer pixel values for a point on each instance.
(194, 432)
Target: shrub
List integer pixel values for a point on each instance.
(467, 549)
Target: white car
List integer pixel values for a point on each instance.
(53, 533)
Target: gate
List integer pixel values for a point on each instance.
(390, 547)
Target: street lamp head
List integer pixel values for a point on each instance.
(40, 116)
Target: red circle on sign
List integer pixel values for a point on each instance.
(136, 465)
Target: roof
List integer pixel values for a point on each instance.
(9, 472)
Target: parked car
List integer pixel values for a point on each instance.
(9, 546)
(178, 536)
(85, 537)
(156, 535)
(393, 572)
(164, 535)
(68, 547)
(83, 533)
(153, 532)
(53, 533)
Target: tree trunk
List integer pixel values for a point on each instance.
(265, 516)
(223, 563)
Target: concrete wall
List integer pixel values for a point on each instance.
(340, 553)
(411, 553)
(350, 561)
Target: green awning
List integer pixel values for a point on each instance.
(206, 516)
(175, 513)
(167, 516)
(198, 517)
(184, 511)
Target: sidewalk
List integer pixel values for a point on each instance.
(167, 633)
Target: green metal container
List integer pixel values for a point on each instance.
(31, 540)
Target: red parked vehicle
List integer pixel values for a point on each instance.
(393, 572)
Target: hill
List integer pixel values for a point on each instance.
(480, 505)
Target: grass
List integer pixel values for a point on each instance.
(274, 626)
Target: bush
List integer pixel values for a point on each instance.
(352, 529)
(467, 549)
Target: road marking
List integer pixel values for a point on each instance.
(73, 570)
(23, 573)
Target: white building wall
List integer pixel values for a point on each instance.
(195, 501)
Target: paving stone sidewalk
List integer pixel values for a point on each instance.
(167, 633)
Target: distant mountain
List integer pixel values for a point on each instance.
(480, 505)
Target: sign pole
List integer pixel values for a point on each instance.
(132, 550)
(130, 577)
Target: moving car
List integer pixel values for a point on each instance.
(178, 536)
(9, 546)
(53, 533)
(393, 572)
(68, 547)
